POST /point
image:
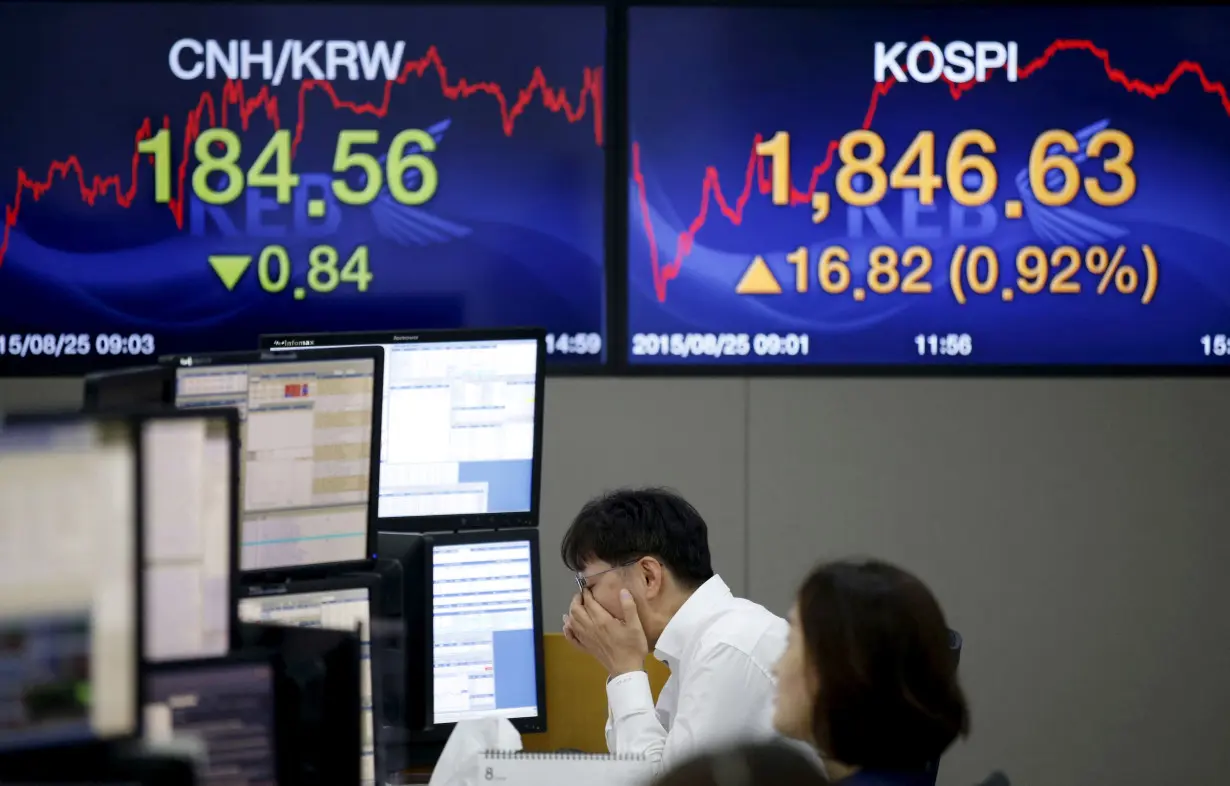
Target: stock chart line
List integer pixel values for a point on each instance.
(232, 95)
(711, 188)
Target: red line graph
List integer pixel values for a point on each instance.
(754, 173)
(218, 114)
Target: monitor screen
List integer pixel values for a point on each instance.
(340, 609)
(306, 447)
(187, 473)
(229, 707)
(484, 641)
(458, 428)
(928, 187)
(331, 166)
(68, 582)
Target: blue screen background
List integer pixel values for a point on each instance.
(516, 679)
(509, 483)
(513, 236)
(704, 82)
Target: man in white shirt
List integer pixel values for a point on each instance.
(642, 563)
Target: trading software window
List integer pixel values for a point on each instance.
(230, 708)
(68, 653)
(306, 455)
(483, 632)
(187, 491)
(345, 610)
(458, 428)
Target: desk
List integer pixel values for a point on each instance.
(576, 702)
(576, 698)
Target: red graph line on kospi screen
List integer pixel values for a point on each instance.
(232, 95)
(711, 188)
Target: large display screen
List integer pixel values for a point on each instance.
(183, 177)
(929, 186)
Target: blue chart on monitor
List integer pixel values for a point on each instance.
(269, 167)
(940, 186)
(483, 631)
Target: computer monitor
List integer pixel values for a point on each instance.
(227, 704)
(190, 498)
(484, 592)
(461, 433)
(140, 386)
(316, 685)
(100, 764)
(70, 598)
(308, 467)
(343, 603)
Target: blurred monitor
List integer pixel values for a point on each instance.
(189, 469)
(70, 540)
(461, 432)
(125, 388)
(316, 685)
(484, 593)
(228, 706)
(344, 604)
(308, 465)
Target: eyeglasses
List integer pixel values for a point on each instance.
(582, 580)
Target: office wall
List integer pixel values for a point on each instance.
(1075, 532)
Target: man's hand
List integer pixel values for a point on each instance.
(619, 645)
(571, 634)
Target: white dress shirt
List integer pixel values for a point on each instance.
(721, 651)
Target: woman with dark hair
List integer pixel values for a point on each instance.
(747, 765)
(868, 677)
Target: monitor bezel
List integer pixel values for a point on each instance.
(261, 358)
(134, 436)
(438, 732)
(319, 342)
(375, 616)
(230, 415)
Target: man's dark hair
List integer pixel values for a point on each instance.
(888, 696)
(749, 764)
(625, 525)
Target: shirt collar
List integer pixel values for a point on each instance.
(681, 629)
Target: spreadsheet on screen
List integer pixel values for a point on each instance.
(457, 427)
(306, 455)
(483, 648)
(187, 472)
